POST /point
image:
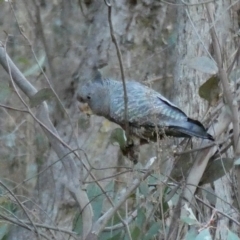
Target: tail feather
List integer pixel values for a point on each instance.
(194, 128)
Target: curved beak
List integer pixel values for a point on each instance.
(84, 107)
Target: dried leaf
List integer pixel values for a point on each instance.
(217, 169)
(41, 96)
(210, 90)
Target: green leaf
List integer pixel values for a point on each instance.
(189, 221)
(9, 140)
(143, 188)
(141, 217)
(77, 223)
(135, 233)
(4, 230)
(115, 235)
(203, 64)
(210, 90)
(237, 162)
(35, 69)
(109, 189)
(154, 229)
(41, 96)
(96, 198)
(182, 166)
(5, 91)
(204, 235)
(210, 195)
(118, 136)
(217, 169)
(191, 234)
(235, 75)
(190, 218)
(232, 236)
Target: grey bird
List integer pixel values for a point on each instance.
(149, 113)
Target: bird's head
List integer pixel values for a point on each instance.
(96, 95)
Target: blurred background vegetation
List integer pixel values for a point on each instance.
(58, 43)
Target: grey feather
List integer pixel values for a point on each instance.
(148, 110)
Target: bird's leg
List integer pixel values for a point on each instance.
(131, 150)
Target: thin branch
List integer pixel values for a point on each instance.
(12, 220)
(198, 35)
(43, 119)
(203, 147)
(194, 4)
(49, 60)
(99, 225)
(218, 211)
(24, 225)
(14, 109)
(40, 29)
(21, 205)
(121, 67)
(231, 102)
(71, 170)
(203, 157)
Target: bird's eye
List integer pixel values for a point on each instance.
(88, 97)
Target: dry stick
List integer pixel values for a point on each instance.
(224, 80)
(236, 57)
(41, 224)
(231, 101)
(101, 222)
(51, 133)
(121, 68)
(24, 225)
(40, 67)
(43, 38)
(204, 147)
(42, 171)
(218, 211)
(201, 162)
(123, 81)
(14, 217)
(29, 90)
(194, 4)
(21, 205)
(77, 195)
(14, 109)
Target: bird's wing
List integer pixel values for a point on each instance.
(146, 107)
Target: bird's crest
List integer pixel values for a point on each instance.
(97, 78)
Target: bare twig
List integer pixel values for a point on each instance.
(224, 80)
(121, 67)
(194, 4)
(218, 211)
(101, 222)
(43, 38)
(21, 205)
(43, 119)
(49, 60)
(202, 159)
(22, 224)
